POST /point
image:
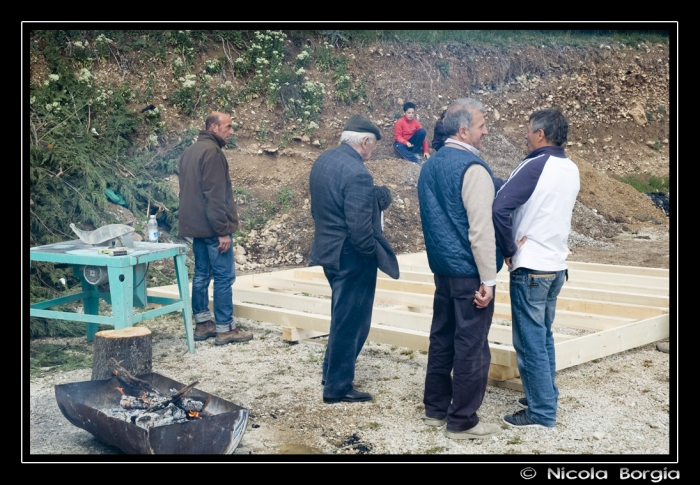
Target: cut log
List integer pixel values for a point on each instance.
(131, 347)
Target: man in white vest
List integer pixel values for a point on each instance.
(532, 218)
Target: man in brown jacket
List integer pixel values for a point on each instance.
(208, 215)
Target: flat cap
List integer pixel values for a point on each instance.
(363, 125)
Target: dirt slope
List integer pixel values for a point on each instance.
(616, 97)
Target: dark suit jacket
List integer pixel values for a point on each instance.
(346, 212)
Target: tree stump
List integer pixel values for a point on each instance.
(131, 347)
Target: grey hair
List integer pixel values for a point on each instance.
(356, 137)
(459, 114)
(553, 123)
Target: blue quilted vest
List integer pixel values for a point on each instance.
(442, 212)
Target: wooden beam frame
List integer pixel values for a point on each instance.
(601, 310)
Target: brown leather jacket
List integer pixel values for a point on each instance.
(207, 206)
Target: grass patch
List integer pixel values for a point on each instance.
(647, 182)
(58, 357)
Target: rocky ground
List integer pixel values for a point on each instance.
(618, 405)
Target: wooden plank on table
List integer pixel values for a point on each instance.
(612, 341)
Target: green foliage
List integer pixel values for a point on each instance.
(213, 66)
(444, 68)
(234, 36)
(648, 182)
(303, 58)
(58, 357)
(284, 198)
(324, 57)
(262, 132)
(178, 67)
(225, 97)
(260, 212)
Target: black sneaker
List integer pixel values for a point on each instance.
(521, 420)
(522, 402)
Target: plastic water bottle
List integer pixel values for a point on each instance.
(152, 229)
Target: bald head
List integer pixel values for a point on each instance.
(220, 124)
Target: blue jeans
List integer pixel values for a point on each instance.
(533, 300)
(210, 263)
(414, 153)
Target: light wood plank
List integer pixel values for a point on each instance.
(294, 334)
(612, 309)
(612, 341)
(614, 268)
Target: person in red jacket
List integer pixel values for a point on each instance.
(409, 136)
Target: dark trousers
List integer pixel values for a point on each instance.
(414, 153)
(458, 346)
(353, 286)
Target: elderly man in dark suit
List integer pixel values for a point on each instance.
(348, 243)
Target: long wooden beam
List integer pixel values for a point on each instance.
(564, 318)
(412, 339)
(609, 282)
(420, 260)
(385, 316)
(601, 344)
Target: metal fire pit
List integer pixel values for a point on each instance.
(217, 433)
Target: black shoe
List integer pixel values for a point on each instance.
(522, 402)
(352, 396)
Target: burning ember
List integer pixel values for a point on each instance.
(194, 415)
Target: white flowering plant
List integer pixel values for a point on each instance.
(178, 67)
(303, 58)
(213, 66)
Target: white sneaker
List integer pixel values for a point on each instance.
(481, 430)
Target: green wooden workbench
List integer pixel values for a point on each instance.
(125, 289)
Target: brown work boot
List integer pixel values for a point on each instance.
(203, 331)
(235, 335)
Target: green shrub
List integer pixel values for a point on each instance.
(648, 182)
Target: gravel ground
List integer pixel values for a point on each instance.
(617, 405)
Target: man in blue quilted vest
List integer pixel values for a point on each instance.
(456, 190)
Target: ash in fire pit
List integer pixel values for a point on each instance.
(151, 409)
